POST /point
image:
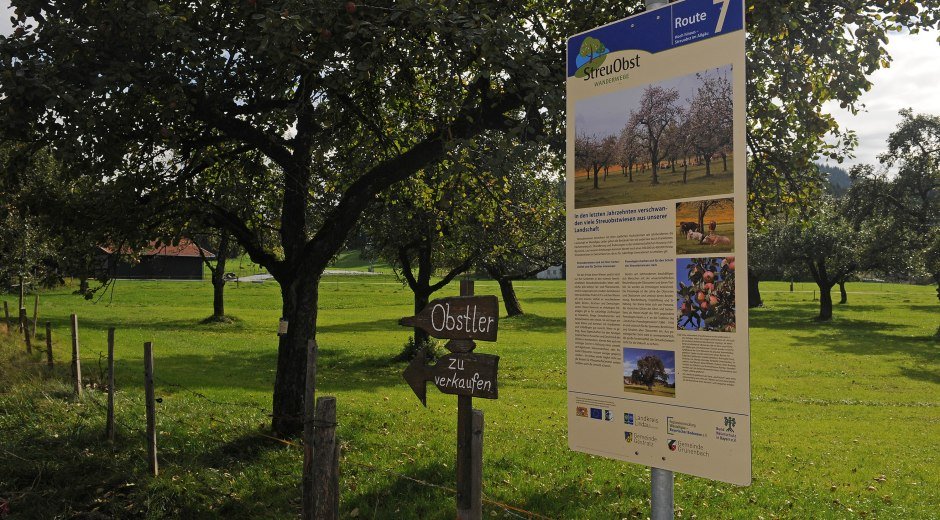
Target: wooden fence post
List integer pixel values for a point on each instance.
(326, 461)
(35, 313)
(49, 362)
(24, 321)
(6, 314)
(22, 298)
(476, 475)
(309, 491)
(109, 423)
(151, 410)
(76, 358)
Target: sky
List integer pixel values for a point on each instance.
(912, 81)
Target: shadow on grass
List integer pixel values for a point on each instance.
(402, 497)
(242, 450)
(534, 323)
(922, 374)
(543, 299)
(390, 325)
(848, 335)
(253, 371)
(63, 325)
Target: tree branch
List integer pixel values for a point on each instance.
(453, 274)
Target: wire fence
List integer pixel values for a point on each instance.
(508, 509)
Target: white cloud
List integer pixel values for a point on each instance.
(911, 81)
(5, 13)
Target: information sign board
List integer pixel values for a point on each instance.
(657, 233)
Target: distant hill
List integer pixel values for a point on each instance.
(839, 180)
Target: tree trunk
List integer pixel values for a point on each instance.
(83, 285)
(421, 299)
(685, 172)
(753, 290)
(630, 172)
(218, 296)
(673, 164)
(825, 302)
(844, 296)
(817, 268)
(596, 171)
(655, 167)
(724, 157)
(936, 278)
(510, 300)
(299, 307)
(218, 278)
(708, 166)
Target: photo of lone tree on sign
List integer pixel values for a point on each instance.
(650, 372)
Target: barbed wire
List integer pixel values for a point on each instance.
(207, 398)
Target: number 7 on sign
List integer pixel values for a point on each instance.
(724, 12)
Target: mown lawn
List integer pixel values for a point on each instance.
(618, 189)
(846, 415)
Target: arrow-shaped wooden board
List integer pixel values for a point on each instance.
(458, 317)
(468, 374)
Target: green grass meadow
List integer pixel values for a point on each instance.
(618, 189)
(845, 415)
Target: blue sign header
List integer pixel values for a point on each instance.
(675, 25)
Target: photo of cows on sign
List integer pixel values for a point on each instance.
(705, 226)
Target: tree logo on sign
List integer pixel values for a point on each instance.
(592, 52)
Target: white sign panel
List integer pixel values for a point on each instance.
(657, 234)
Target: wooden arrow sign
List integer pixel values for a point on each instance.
(472, 375)
(459, 317)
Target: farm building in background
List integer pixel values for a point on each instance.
(158, 261)
(555, 272)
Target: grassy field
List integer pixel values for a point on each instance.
(658, 389)
(846, 415)
(618, 190)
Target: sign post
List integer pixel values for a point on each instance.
(662, 481)
(657, 335)
(462, 373)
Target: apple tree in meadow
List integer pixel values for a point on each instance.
(902, 199)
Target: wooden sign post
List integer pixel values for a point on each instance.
(462, 373)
